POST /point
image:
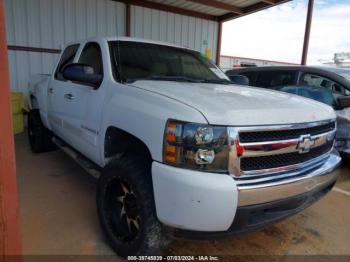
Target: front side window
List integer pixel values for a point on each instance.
(134, 61)
(66, 59)
(345, 74)
(92, 56)
(342, 72)
(272, 79)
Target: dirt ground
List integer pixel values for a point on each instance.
(58, 216)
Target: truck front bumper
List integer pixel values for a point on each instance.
(205, 205)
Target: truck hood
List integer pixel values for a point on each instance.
(241, 105)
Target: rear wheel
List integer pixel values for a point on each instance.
(39, 136)
(126, 208)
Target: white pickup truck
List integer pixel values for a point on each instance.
(178, 150)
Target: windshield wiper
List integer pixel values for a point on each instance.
(164, 78)
(216, 81)
(175, 78)
(180, 79)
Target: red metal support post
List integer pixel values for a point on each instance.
(218, 44)
(10, 241)
(307, 32)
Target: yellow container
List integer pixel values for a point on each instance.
(17, 121)
(17, 105)
(17, 102)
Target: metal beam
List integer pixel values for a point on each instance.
(234, 12)
(219, 5)
(271, 2)
(127, 20)
(168, 8)
(33, 49)
(10, 240)
(218, 45)
(307, 32)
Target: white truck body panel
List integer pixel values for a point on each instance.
(235, 105)
(38, 95)
(144, 115)
(195, 201)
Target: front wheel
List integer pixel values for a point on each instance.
(126, 208)
(39, 136)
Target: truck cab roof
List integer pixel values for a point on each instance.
(124, 38)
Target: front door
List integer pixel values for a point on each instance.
(58, 87)
(81, 105)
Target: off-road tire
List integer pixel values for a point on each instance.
(134, 171)
(39, 136)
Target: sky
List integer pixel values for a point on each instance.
(277, 33)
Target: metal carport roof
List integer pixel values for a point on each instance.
(217, 10)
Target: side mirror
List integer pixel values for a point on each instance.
(83, 74)
(344, 101)
(239, 80)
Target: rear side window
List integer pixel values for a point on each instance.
(270, 79)
(66, 59)
(92, 56)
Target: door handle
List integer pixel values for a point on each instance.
(69, 96)
(51, 90)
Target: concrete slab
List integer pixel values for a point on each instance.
(58, 216)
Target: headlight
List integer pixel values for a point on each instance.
(196, 146)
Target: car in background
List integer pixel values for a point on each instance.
(324, 84)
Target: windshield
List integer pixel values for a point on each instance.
(143, 61)
(343, 72)
(345, 75)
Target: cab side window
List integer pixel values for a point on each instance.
(270, 79)
(92, 56)
(66, 59)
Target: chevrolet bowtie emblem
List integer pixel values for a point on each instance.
(305, 144)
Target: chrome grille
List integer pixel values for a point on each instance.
(274, 150)
(275, 135)
(274, 161)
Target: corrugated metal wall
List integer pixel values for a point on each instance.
(195, 33)
(51, 23)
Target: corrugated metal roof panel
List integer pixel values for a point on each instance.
(192, 6)
(240, 3)
(202, 8)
